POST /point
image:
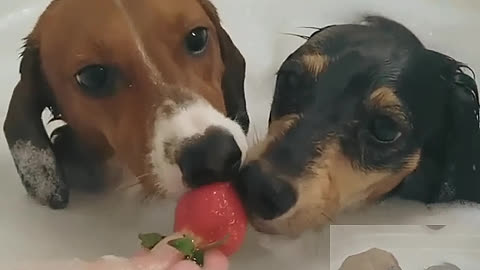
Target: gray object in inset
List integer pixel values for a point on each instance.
(372, 259)
(445, 266)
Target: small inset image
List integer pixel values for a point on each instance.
(404, 247)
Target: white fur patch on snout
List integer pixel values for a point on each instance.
(190, 119)
(38, 171)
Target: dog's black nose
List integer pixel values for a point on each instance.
(212, 157)
(264, 195)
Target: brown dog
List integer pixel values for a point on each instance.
(156, 85)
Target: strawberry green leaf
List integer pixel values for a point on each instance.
(150, 240)
(185, 245)
(198, 257)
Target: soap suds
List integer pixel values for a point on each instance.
(37, 169)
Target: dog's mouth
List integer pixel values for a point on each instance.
(291, 225)
(266, 227)
(195, 146)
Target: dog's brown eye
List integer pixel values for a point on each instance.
(96, 80)
(196, 40)
(385, 130)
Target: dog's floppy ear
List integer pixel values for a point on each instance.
(234, 76)
(27, 139)
(449, 169)
(462, 153)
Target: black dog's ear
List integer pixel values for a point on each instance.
(27, 139)
(462, 153)
(234, 75)
(449, 169)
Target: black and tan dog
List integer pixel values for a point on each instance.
(360, 112)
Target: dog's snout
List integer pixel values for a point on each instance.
(212, 157)
(264, 196)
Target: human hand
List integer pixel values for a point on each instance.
(161, 257)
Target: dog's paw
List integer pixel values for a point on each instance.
(40, 175)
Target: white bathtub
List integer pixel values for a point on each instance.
(92, 226)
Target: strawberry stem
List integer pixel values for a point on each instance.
(198, 257)
(186, 245)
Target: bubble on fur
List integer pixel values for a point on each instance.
(37, 167)
(447, 191)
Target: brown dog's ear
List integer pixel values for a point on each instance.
(27, 139)
(234, 76)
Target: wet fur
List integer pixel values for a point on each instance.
(119, 127)
(342, 78)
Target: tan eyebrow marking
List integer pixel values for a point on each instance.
(315, 63)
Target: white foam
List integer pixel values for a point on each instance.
(38, 169)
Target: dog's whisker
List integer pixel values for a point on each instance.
(147, 197)
(297, 35)
(327, 217)
(309, 27)
(155, 195)
(129, 186)
(138, 181)
(463, 66)
(144, 175)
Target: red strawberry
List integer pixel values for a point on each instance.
(209, 217)
(212, 213)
